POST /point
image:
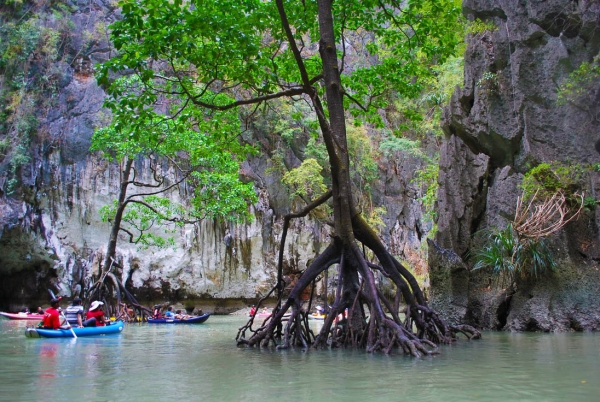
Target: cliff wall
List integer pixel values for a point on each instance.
(502, 122)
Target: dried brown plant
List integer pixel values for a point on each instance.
(541, 219)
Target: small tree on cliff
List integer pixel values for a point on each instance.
(254, 51)
(185, 152)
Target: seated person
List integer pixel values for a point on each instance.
(74, 313)
(95, 315)
(180, 316)
(51, 318)
(169, 315)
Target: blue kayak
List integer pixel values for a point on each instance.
(114, 328)
(192, 320)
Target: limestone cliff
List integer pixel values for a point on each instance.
(503, 121)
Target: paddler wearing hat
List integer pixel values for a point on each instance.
(95, 315)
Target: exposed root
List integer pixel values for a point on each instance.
(361, 316)
(467, 330)
(110, 290)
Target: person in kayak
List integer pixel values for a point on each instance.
(74, 313)
(179, 315)
(169, 313)
(156, 313)
(51, 318)
(95, 315)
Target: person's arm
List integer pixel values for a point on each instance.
(80, 319)
(65, 324)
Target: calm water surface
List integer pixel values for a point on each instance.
(150, 362)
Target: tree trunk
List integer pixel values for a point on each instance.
(367, 323)
(116, 224)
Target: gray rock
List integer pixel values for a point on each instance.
(494, 134)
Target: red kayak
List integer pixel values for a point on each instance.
(23, 316)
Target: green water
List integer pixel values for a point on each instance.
(150, 362)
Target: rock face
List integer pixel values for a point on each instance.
(51, 236)
(504, 121)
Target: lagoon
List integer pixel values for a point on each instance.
(150, 362)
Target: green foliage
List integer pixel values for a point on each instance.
(418, 121)
(399, 58)
(30, 42)
(199, 37)
(589, 203)
(488, 82)
(427, 179)
(306, 181)
(580, 82)
(420, 116)
(20, 157)
(478, 27)
(141, 217)
(549, 178)
(277, 164)
(391, 145)
(374, 217)
(192, 140)
(316, 150)
(221, 194)
(363, 166)
(219, 56)
(292, 119)
(511, 258)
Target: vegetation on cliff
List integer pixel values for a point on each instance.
(33, 38)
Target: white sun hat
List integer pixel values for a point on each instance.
(95, 305)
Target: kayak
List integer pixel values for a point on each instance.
(113, 328)
(23, 316)
(261, 315)
(265, 315)
(192, 320)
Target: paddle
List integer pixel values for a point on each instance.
(63, 316)
(70, 326)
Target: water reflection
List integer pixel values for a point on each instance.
(169, 362)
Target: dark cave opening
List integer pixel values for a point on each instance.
(502, 312)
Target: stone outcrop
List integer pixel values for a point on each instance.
(503, 121)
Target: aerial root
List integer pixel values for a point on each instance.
(390, 335)
(295, 333)
(467, 330)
